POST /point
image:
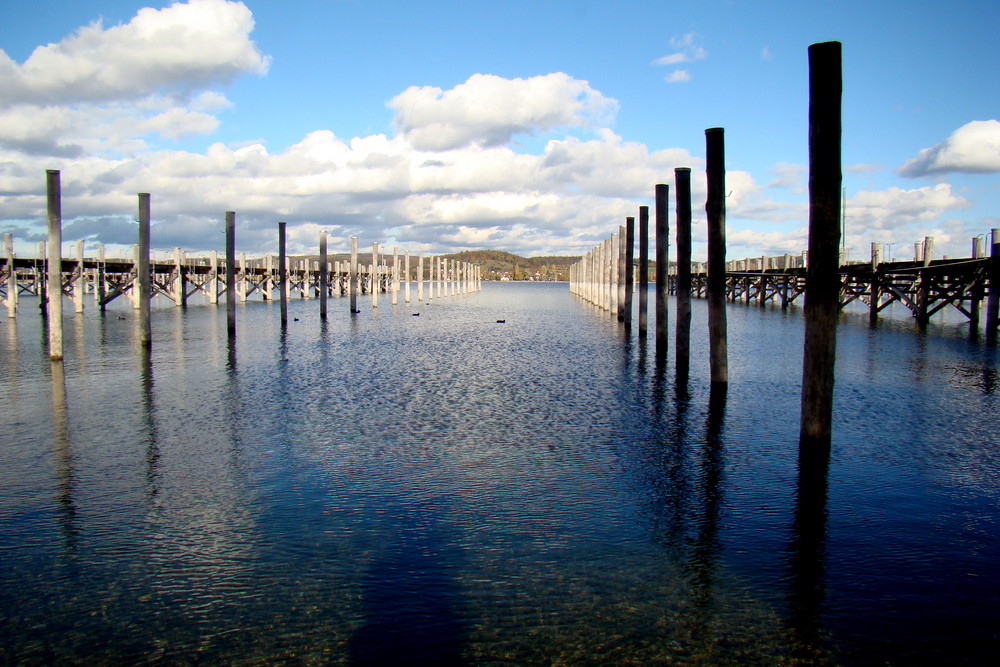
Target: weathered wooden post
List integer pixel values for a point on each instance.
(875, 294)
(353, 278)
(715, 212)
(144, 278)
(80, 283)
(8, 244)
(406, 269)
(823, 273)
(231, 273)
(629, 268)
(100, 289)
(54, 282)
(375, 275)
(993, 302)
(420, 278)
(324, 278)
(213, 281)
(282, 274)
(643, 268)
(662, 224)
(682, 209)
(395, 275)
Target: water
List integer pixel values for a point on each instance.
(446, 489)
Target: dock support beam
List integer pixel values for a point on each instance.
(662, 262)
(282, 274)
(323, 275)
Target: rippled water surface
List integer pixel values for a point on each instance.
(445, 488)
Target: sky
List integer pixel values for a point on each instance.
(526, 126)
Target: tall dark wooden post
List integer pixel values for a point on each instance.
(662, 265)
(143, 276)
(54, 283)
(715, 212)
(282, 274)
(643, 268)
(823, 274)
(682, 208)
(231, 272)
(629, 269)
(993, 301)
(323, 276)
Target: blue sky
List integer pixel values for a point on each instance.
(522, 126)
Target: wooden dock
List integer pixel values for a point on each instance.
(99, 280)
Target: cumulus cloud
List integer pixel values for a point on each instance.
(678, 76)
(489, 110)
(973, 148)
(186, 45)
(895, 207)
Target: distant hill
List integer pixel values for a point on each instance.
(501, 265)
(496, 264)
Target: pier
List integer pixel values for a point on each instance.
(924, 287)
(100, 280)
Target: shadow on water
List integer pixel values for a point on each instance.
(411, 602)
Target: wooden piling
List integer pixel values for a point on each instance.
(80, 281)
(406, 281)
(54, 282)
(231, 273)
(353, 280)
(662, 224)
(629, 269)
(282, 274)
(823, 273)
(993, 301)
(323, 275)
(715, 211)
(682, 210)
(375, 275)
(394, 285)
(144, 277)
(12, 287)
(875, 289)
(643, 268)
(420, 278)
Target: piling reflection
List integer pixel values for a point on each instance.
(65, 482)
(145, 357)
(707, 548)
(806, 556)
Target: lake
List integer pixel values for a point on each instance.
(444, 488)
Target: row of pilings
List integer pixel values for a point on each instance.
(51, 277)
(604, 276)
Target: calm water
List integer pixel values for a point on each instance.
(443, 489)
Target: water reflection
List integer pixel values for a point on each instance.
(707, 548)
(65, 479)
(145, 357)
(806, 556)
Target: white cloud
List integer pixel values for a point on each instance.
(972, 148)
(766, 54)
(678, 76)
(186, 45)
(894, 207)
(489, 110)
(687, 50)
